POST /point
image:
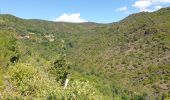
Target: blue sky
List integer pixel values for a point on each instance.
(101, 11)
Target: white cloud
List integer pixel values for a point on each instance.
(73, 18)
(143, 5)
(149, 5)
(123, 9)
(157, 7)
(161, 1)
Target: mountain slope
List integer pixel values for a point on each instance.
(135, 51)
(129, 59)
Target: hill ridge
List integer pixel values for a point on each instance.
(126, 60)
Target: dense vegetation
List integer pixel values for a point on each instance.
(127, 60)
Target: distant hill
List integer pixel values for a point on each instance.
(126, 60)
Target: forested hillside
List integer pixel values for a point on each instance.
(126, 60)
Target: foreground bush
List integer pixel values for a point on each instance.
(24, 81)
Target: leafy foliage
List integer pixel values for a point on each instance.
(127, 60)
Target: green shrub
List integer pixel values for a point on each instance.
(60, 69)
(25, 81)
(82, 90)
